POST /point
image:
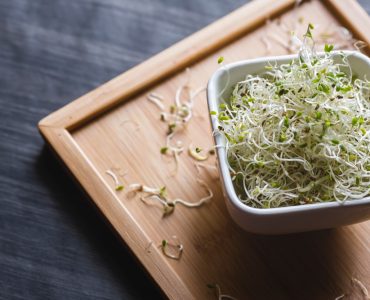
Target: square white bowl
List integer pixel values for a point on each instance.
(280, 220)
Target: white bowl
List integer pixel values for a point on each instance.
(285, 219)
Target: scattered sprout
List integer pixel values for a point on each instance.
(163, 192)
(219, 294)
(362, 287)
(171, 128)
(198, 150)
(163, 117)
(357, 288)
(164, 150)
(199, 202)
(159, 195)
(220, 60)
(180, 113)
(208, 167)
(157, 100)
(172, 249)
(168, 208)
(195, 153)
(359, 45)
(119, 186)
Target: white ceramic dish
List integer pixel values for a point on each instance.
(286, 219)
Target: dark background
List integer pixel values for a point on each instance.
(53, 244)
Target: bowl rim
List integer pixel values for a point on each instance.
(221, 153)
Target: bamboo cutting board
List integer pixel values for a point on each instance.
(115, 128)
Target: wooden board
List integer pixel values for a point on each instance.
(97, 132)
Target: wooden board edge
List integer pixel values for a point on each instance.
(167, 62)
(55, 130)
(157, 266)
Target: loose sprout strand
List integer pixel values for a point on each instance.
(211, 168)
(172, 249)
(159, 195)
(157, 100)
(196, 153)
(179, 115)
(362, 287)
(357, 288)
(199, 202)
(119, 186)
(219, 294)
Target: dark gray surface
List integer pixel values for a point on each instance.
(53, 244)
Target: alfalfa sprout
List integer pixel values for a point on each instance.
(219, 294)
(118, 185)
(299, 132)
(159, 196)
(172, 248)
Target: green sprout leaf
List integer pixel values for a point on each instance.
(224, 118)
(119, 187)
(354, 121)
(328, 48)
(335, 142)
(163, 192)
(308, 32)
(171, 128)
(286, 122)
(164, 150)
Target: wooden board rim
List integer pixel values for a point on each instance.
(55, 127)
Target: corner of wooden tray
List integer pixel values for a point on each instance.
(47, 124)
(51, 126)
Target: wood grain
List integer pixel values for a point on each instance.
(215, 249)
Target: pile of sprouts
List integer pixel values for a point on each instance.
(299, 133)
